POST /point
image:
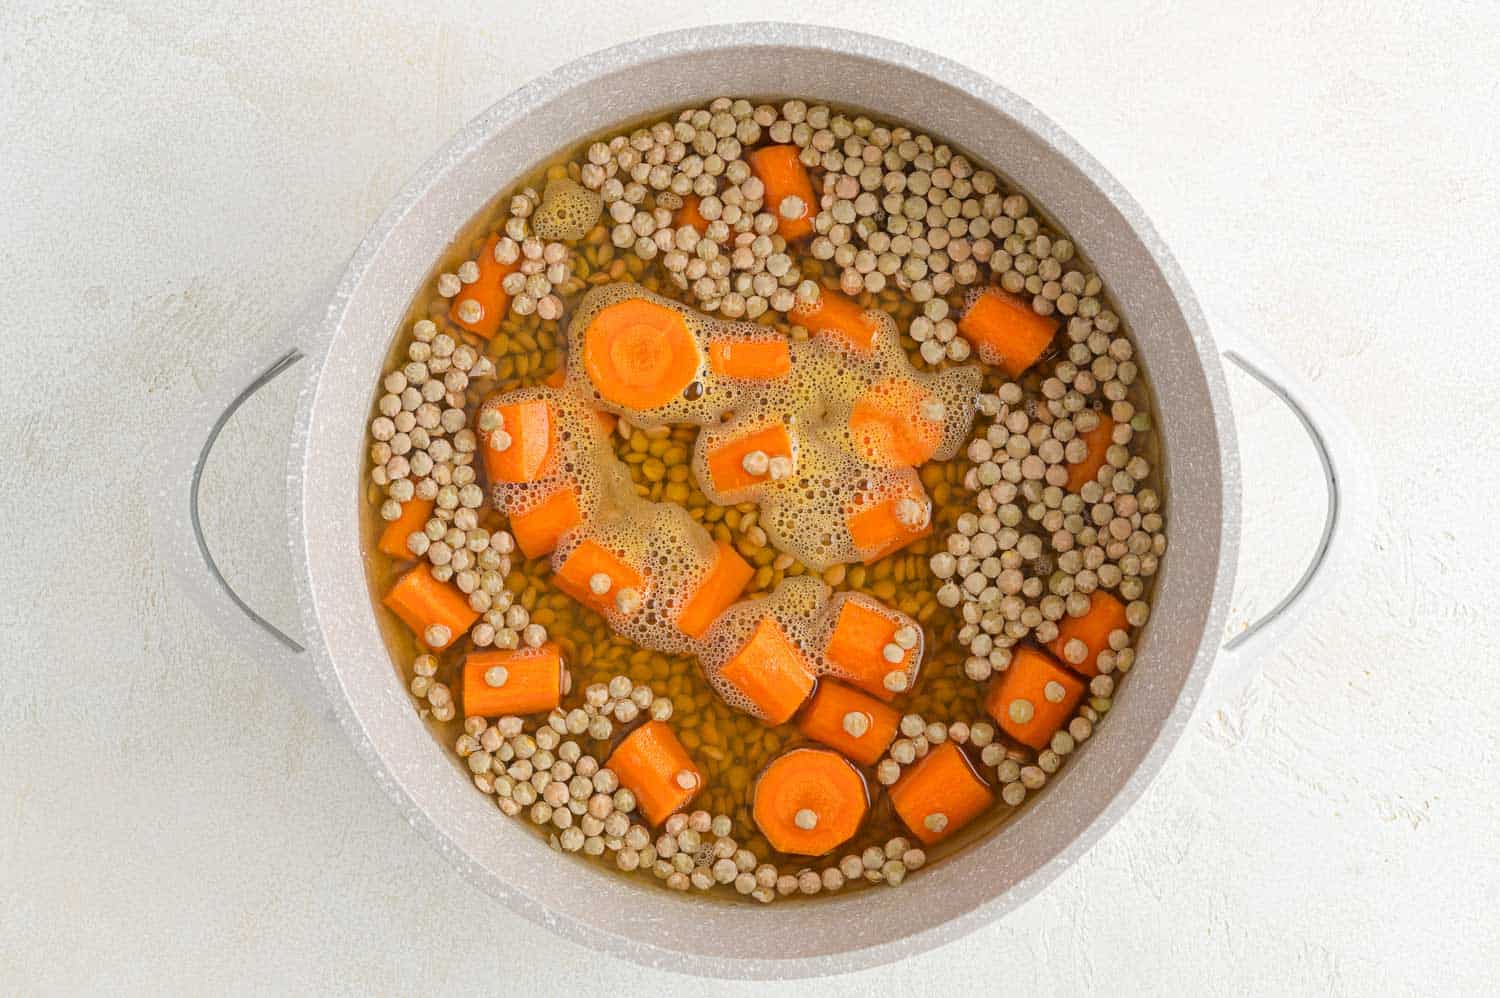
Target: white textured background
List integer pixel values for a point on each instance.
(173, 179)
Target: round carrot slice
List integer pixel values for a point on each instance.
(809, 802)
(639, 354)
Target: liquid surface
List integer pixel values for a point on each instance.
(646, 480)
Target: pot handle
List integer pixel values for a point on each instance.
(180, 460)
(1346, 521)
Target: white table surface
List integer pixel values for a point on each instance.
(172, 179)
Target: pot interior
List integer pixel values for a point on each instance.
(947, 898)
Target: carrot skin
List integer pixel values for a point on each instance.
(1033, 697)
(821, 787)
(414, 516)
(652, 764)
(421, 601)
(780, 169)
(939, 794)
(839, 317)
(849, 721)
(585, 561)
(1098, 441)
(772, 672)
(725, 580)
(531, 681)
(1105, 615)
(1005, 331)
(539, 529)
(856, 645)
(726, 462)
(487, 291)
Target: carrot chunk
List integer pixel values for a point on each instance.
(940, 793)
(726, 463)
(809, 802)
(781, 171)
(857, 645)
(594, 576)
(880, 528)
(652, 764)
(519, 681)
(640, 354)
(891, 426)
(1105, 615)
(1098, 441)
(689, 215)
(752, 360)
(1033, 697)
(1006, 331)
(839, 317)
(436, 611)
(538, 529)
(727, 577)
(414, 516)
(486, 292)
(527, 435)
(772, 672)
(857, 725)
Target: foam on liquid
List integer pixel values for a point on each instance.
(803, 514)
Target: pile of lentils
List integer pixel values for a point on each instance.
(1032, 552)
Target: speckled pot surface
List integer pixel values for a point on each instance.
(348, 337)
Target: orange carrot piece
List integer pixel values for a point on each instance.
(689, 215)
(780, 169)
(531, 432)
(589, 559)
(889, 427)
(414, 516)
(726, 463)
(1033, 697)
(940, 793)
(857, 647)
(538, 529)
(652, 764)
(878, 530)
(839, 317)
(752, 360)
(726, 578)
(1006, 331)
(487, 291)
(1098, 441)
(771, 671)
(424, 604)
(1105, 615)
(809, 802)
(856, 724)
(519, 681)
(640, 354)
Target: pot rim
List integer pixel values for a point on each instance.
(324, 327)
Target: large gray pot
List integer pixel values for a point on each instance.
(343, 665)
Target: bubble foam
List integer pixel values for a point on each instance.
(804, 513)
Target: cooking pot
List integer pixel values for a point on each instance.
(343, 666)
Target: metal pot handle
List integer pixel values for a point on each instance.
(1346, 521)
(180, 458)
